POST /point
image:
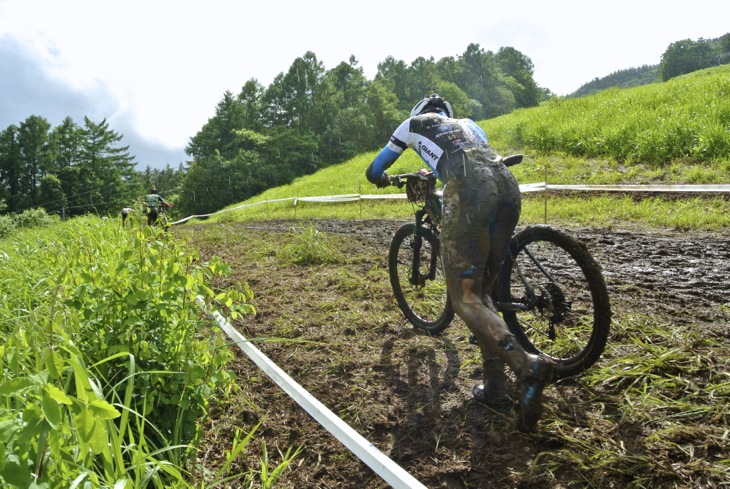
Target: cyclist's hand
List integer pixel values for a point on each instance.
(384, 181)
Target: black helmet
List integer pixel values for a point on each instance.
(431, 103)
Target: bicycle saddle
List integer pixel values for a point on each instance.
(512, 160)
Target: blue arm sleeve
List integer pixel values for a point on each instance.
(382, 162)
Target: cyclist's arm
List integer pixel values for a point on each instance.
(162, 201)
(382, 162)
(387, 156)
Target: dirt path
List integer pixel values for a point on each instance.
(406, 392)
(685, 275)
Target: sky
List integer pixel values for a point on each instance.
(156, 69)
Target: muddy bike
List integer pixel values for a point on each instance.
(550, 291)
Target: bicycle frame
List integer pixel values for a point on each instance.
(427, 217)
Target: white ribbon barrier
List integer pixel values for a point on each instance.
(388, 470)
(524, 188)
(645, 188)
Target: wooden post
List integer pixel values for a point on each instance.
(545, 197)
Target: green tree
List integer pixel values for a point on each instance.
(10, 169)
(52, 195)
(519, 68)
(450, 69)
(104, 168)
(383, 108)
(290, 100)
(250, 98)
(346, 121)
(393, 75)
(482, 80)
(218, 134)
(213, 182)
(66, 142)
(685, 56)
(33, 138)
(424, 78)
(461, 103)
(289, 154)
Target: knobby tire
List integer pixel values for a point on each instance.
(571, 319)
(425, 304)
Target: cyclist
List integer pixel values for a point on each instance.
(481, 207)
(154, 201)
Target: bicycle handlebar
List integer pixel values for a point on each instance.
(401, 179)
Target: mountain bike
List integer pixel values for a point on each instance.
(550, 291)
(162, 220)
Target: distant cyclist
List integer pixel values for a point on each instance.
(482, 205)
(154, 202)
(125, 213)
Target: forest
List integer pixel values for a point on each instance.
(308, 118)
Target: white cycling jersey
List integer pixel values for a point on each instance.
(434, 137)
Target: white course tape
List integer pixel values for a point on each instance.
(724, 188)
(524, 188)
(388, 470)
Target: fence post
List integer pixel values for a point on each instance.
(545, 191)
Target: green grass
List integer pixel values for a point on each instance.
(686, 117)
(654, 409)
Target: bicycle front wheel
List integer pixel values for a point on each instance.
(554, 299)
(416, 275)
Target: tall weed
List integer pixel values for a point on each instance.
(106, 366)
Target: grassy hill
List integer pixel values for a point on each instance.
(676, 132)
(628, 78)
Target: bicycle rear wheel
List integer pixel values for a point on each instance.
(421, 293)
(554, 299)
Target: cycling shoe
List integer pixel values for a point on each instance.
(531, 386)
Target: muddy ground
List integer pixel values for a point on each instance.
(406, 392)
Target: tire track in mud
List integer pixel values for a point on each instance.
(684, 276)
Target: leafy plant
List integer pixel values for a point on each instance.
(107, 367)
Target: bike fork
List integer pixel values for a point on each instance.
(416, 244)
